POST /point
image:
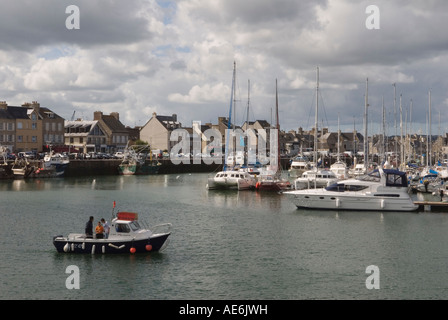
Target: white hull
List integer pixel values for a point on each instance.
(239, 180)
(361, 202)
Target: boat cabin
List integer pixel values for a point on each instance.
(392, 177)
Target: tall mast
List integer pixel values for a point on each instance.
(229, 123)
(430, 132)
(316, 118)
(401, 136)
(366, 138)
(384, 132)
(277, 126)
(395, 120)
(339, 133)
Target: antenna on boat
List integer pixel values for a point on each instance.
(113, 209)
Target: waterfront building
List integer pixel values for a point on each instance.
(85, 136)
(29, 127)
(157, 131)
(117, 136)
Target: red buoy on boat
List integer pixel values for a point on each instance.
(132, 250)
(148, 247)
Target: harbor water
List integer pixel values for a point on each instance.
(225, 245)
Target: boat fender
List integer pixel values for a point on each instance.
(67, 247)
(83, 245)
(382, 204)
(148, 247)
(93, 249)
(103, 249)
(257, 185)
(73, 247)
(132, 250)
(338, 202)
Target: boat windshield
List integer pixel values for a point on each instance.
(340, 187)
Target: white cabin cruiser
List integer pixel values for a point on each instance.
(298, 166)
(381, 190)
(126, 235)
(232, 179)
(315, 179)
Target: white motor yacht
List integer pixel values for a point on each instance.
(315, 179)
(298, 166)
(381, 190)
(340, 169)
(232, 179)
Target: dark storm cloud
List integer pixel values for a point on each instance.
(27, 24)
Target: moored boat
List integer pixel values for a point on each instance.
(232, 179)
(126, 235)
(381, 190)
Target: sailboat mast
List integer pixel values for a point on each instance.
(430, 132)
(229, 123)
(401, 136)
(339, 142)
(316, 117)
(366, 138)
(277, 126)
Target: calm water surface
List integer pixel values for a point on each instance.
(224, 245)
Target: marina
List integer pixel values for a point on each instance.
(225, 244)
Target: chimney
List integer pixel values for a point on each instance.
(154, 114)
(174, 117)
(3, 105)
(116, 115)
(97, 115)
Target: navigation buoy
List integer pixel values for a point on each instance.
(132, 250)
(148, 247)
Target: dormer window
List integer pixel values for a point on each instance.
(33, 116)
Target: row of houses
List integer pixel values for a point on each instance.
(30, 127)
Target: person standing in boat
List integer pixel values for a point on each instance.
(99, 230)
(106, 228)
(89, 228)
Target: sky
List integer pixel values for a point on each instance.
(137, 57)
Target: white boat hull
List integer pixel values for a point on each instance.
(334, 201)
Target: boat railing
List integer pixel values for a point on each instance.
(162, 228)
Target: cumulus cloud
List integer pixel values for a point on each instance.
(142, 56)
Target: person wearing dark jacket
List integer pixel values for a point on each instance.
(89, 228)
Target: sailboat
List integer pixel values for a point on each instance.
(315, 178)
(339, 168)
(270, 178)
(230, 177)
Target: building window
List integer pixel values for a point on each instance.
(10, 126)
(19, 125)
(34, 139)
(19, 138)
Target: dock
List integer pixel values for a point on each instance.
(432, 206)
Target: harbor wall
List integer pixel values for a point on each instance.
(110, 167)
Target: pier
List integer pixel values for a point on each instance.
(432, 206)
